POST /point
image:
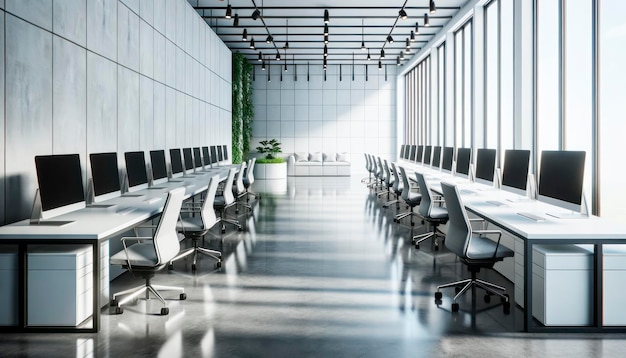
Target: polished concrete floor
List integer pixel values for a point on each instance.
(319, 270)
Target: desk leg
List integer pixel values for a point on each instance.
(598, 260)
(22, 295)
(528, 298)
(96, 288)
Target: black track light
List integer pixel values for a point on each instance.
(380, 65)
(433, 8)
(263, 65)
(363, 45)
(236, 21)
(269, 39)
(408, 44)
(326, 17)
(382, 53)
(256, 14)
(412, 38)
(417, 28)
(244, 37)
(325, 64)
(285, 63)
(325, 51)
(401, 55)
(229, 11)
(260, 59)
(287, 39)
(369, 58)
(252, 43)
(325, 39)
(403, 14)
(398, 61)
(389, 39)
(362, 36)
(277, 56)
(326, 29)
(426, 20)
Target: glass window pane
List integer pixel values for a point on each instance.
(491, 74)
(506, 77)
(441, 78)
(467, 85)
(458, 87)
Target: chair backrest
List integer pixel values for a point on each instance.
(166, 242)
(459, 230)
(396, 177)
(427, 201)
(239, 188)
(209, 219)
(367, 162)
(387, 172)
(228, 187)
(250, 171)
(406, 186)
(380, 172)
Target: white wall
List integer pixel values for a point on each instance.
(87, 76)
(329, 115)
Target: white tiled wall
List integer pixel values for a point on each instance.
(86, 76)
(332, 114)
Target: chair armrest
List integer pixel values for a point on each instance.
(134, 238)
(487, 232)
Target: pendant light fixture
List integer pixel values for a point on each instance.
(362, 36)
(326, 29)
(382, 53)
(244, 37)
(269, 39)
(236, 21)
(325, 39)
(433, 8)
(369, 58)
(252, 43)
(403, 15)
(426, 20)
(260, 59)
(326, 17)
(389, 39)
(287, 40)
(229, 11)
(412, 38)
(380, 65)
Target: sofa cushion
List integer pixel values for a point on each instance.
(315, 157)
(304, 164)
(343, 157)
(301, 156)
(338, 164)
(330, 157)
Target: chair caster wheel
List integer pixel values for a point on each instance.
(455, 307)
(119, 310)
(438, 302)
(194, 267)
(223, 231)
(170, 266)
(412, 224)
(113, 303)
(438, 295)
(506, 308)
(218, 264)
(240, 229)
(436, 247)
(165, 311)
(487, 298)
(183, 296)
(417, 246)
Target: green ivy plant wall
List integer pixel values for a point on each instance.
(242, 110)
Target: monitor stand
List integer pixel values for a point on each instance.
(35, 215)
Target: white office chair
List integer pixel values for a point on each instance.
(239, 190)
(226, 200)
(151, 254)
(248, 180)
(196, 227)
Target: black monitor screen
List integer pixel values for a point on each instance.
(485, 164)
(225, 152)
(561, 175)
(402, 151)
(213, 154)
(463, 159)
(188, 159)
(60, 180)
(157, 161)
(205, 155)
(136, 168)
(515, 170)
(413, 150)
(420, 153)
(176, 161)
(436, 157)
(197, 159)
(220, 154)
(448, 157)
(104, 173)
(428, 151)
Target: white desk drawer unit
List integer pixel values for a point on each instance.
(614, 280)
(60, 284)
(8, 287)
(562, 285)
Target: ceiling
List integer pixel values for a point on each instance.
(350, 23)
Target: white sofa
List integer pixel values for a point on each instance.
(318, 164)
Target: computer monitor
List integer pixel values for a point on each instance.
(515, 171)
(485, 165)
(213, 154)
(177, 163)
(60, 184)
(436, 161)
(225, 148)
(220, 154)
(136, 171)
(187, 160)
(197, 158)
(561, 178)
(428, 152)
(463, 160)
(447, 159)
(402, 154)
(413, 152)
(105, 176)
(420, 154)
(159, 167)
(206, 158)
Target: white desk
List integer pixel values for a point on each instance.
(552, 231)
(93, 226)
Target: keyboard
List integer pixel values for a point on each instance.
(467, 192)
(532, 216)
(152, 200)
(125, 211)
(496, 203)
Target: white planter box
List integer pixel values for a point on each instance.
(270, 171)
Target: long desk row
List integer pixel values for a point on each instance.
(531, 223)
(94, 226)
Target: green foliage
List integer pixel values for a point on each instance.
(269, 148)
(270, 161)
(242, 108)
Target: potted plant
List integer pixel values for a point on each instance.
(270, 166)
